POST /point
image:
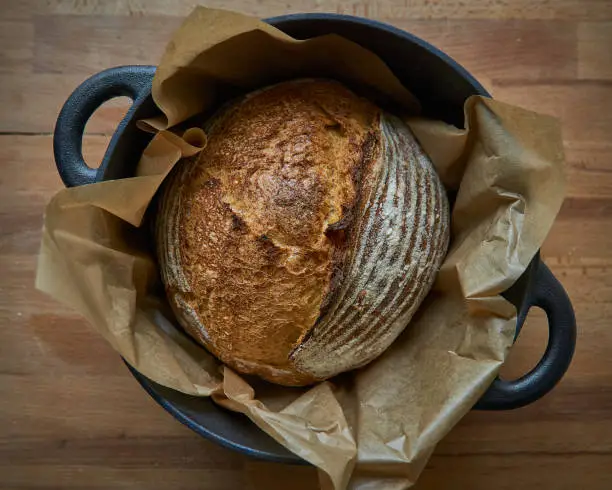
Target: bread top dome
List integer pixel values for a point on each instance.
(305, 235)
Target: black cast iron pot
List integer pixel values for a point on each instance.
(440, 84)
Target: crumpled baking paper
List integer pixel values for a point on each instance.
(374, 428)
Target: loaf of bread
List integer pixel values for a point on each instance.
(302, 240)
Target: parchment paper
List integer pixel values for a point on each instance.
(374, 428)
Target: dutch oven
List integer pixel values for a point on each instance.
(441, 85)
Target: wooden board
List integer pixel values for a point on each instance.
(70, 414)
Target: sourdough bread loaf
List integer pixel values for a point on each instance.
(301, 241)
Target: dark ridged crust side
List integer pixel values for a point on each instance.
(400, 240)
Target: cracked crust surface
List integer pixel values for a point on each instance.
(264, 240)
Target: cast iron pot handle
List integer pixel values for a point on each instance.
(549, 295)
(131, 81)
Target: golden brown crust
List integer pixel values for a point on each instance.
(306, 235)
(247, 261)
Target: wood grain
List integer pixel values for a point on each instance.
(388, 10)
(70, 414)
(594, 62)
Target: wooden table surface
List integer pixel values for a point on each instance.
(70, 414)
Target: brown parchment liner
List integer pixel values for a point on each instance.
(374, 428)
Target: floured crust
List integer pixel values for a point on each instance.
(305, 236)
(398, 245)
